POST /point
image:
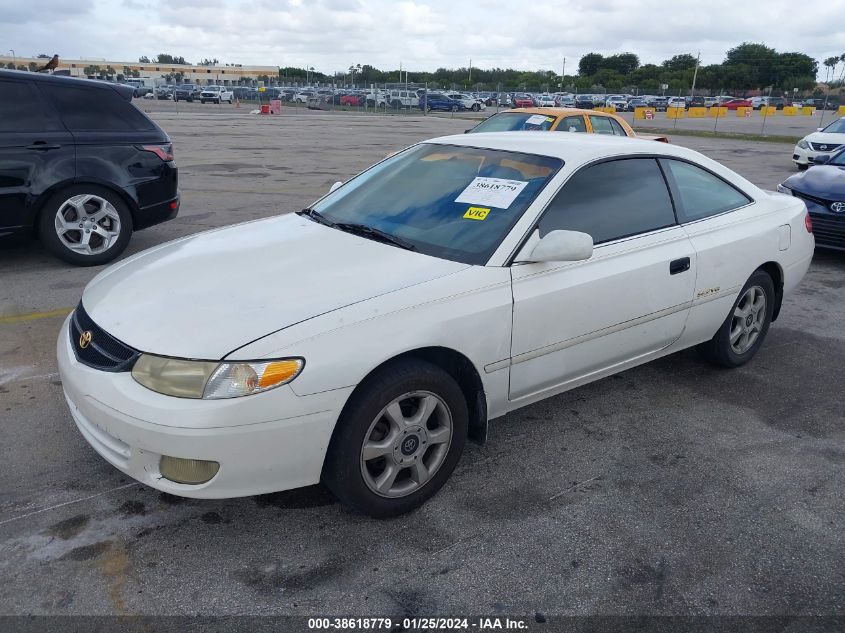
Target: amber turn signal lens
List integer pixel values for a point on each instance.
(279, 371)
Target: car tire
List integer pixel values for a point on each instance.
(745, 323)
(113, 232)
(476, 107)
(202, 101)
(802, 167)
(428, 108)
(454, 108)
(401, 386)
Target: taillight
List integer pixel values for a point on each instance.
(164, 152)
(808, 223)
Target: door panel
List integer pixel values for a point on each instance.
(573, 319)
(36, 152)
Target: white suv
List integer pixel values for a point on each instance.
(216, 94)
(469, 102)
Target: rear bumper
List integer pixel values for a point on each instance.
(157, 213)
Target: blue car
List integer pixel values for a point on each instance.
(822, 188)
(435, 101)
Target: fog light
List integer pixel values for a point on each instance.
(187, 471)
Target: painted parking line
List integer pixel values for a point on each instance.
(34, 316)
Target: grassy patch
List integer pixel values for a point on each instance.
(768, 138)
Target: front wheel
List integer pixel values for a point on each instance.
(85, 225)
(802, 167)
(398, 439)
(475, 107)
(745, 328)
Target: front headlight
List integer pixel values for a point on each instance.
(803, 144)
(213, 380)
(783, 189)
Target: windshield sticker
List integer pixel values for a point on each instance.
(535, 119)
(493, 192)
(476, 213)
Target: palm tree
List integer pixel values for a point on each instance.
(830, 63)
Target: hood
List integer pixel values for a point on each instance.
(206, 295)
(821, 181)
(832, 138)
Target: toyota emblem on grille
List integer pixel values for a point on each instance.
(85, 339)
(837, 207)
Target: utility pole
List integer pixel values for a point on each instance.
(470, 72)
(563, 74)
(695, 73)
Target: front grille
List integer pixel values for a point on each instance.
(824, 147)
(829, 230)
(102, 351)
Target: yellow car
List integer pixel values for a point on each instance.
(560, 120)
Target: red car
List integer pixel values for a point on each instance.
(733, 104)
(523, 101)
(352, 100)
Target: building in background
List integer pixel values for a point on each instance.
(158, 73)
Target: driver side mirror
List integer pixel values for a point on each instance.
(335, 186)
(821, 159)
(558, 246)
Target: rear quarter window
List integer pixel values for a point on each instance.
(22, 110)
(96, 109)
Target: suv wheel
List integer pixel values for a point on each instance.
(398, 439)
(85, 225)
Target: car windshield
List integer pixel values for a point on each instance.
(514, 122)
(452, 202)
(837, 127)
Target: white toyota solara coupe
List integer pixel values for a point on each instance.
(361, 341)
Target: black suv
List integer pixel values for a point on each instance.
(186, 92)
(80, 166)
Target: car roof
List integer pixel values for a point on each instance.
(63, 80)
(572, 148)
(549, 111)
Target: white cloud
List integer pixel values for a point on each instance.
(424, 34)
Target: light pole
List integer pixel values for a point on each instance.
(14, 58)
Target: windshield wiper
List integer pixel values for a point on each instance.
(315, 215)
(374, 233)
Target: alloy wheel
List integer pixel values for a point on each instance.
(749, 317)
(406, 444)
(87, 224)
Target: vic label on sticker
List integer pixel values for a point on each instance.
(536, 119)
(491, 192)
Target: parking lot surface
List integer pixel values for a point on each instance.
(673, 488)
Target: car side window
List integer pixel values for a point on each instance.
(700, 194)
(96, 109)
(601, 125)
(618, 130)
(572, 124)
(22, 110)
(611, 200)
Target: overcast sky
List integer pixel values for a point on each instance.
(422, 34)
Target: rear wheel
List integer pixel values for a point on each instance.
(745, 328)
(454, 108)
(398, 439)
(85, 225)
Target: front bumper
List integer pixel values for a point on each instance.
(263, 443)
(801, 156)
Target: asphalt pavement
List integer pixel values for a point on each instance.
(672, 488)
